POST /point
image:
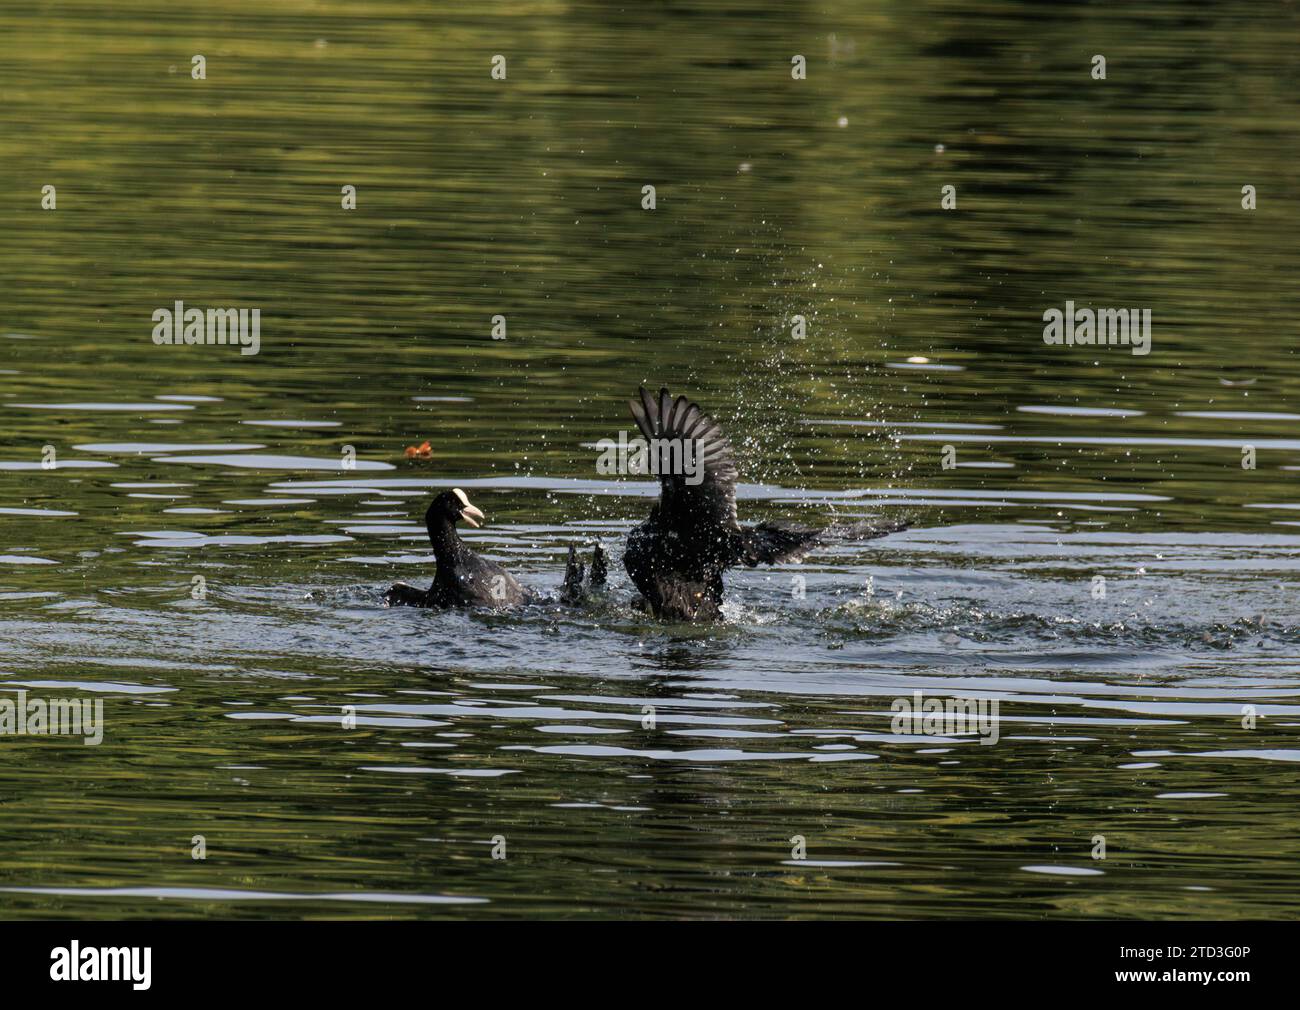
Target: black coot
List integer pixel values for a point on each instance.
(676, 557)
(463, 579)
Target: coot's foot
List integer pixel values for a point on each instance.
(576, 586)
(572, 591)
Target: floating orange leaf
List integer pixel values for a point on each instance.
(421, 451)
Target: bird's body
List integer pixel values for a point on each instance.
(464, 579)
(678, 574)
(677, 556)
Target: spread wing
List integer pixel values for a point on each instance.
(773, 543)
(696, 498)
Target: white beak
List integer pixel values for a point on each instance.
(469, 513)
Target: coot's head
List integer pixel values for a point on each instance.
(450, 506)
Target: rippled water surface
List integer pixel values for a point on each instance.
(1099, 561)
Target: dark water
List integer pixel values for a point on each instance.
(1121, 716)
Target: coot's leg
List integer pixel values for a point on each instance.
(571, 591)
(598, 565)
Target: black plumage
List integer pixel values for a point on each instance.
(463, 579)
(676, 557)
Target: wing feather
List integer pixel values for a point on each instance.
(712, 502)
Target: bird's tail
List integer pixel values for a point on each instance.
(775, 542)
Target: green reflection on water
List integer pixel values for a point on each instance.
(523, 198)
